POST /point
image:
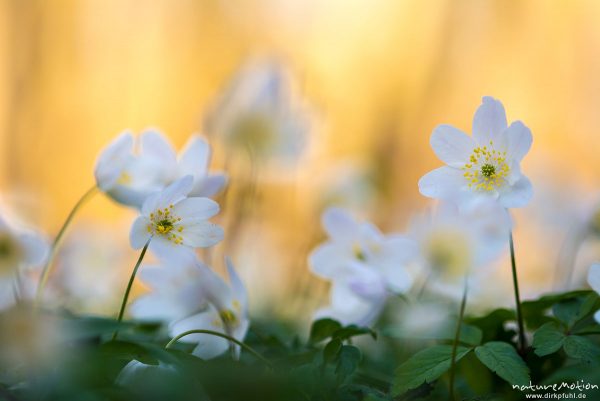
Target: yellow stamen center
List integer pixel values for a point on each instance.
(163, 222)
(487, 168)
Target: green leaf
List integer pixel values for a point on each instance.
(582, 348)
(331, 350)
(424, 367)
(353, 331)
(502, 358)
(348, 361)
(469, 334)
(573, 310)
(548, 339)
(323, 329)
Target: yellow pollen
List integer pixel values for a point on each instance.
(163, 222)
(487, 169)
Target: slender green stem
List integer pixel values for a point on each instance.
(461, 314)
(222, 335)
(57, 241)
(522, 344)
(130, 284)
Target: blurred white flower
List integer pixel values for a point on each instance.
(176, 223)
(30, 343)
(20, 250)
(129, 177)
(360, 260)
(177, 291)
(137, 375)
(454, 243)
(488, 163)
(594, 282)
(89, 272)
(258, 113)
(226, 312)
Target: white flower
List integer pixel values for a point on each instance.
(347, 307)
(177, 291)
(176, 223)
(594, 282)
(454, 243)
(360, 260)
(19, 250)
(257, 113)
(488, 163)
(129, 177)
(226, 312)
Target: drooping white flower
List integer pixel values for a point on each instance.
(226, 312)
(594, 282)
(177, 291)
(360, 260)
(455, 243)
(176, 223)
(259, 113)
(129, 170)
(20, 250)
(488, 163)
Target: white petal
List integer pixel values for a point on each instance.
(208, 346)
(139, 233)
(237, 286)
(519, 140)
(195, 157)
(443, 182)
(329, 260)
(202, 234)
(36, 248)
(195, 209)
(171, 195)
(129, 196)
(597, 316)
(209, 185)
(155, 307)
(451, 145)
(339, 224)
(518, 194)
(112, 160)
(216, 289)
(594, 277)
(157, 276)
(489, 121)
(155, 144)
(168, 250)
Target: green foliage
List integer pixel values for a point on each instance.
(548, 339)
(425, 367)
(335, 362)
(502, 358)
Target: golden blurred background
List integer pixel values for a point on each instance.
(379, 74)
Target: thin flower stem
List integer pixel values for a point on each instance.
(522, 344)
(222, 335)
(57, 241)
(461, 314)
(130, 284)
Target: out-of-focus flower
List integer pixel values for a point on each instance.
(129, 177)
(177, 291)
(258, 113)
(488, 163)
(89, 272)
(176, 223)
(226, 312)
(29, 342)
(347, 307)
(594, 282)
(454, 242)
(19, 250)
(359, 259)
